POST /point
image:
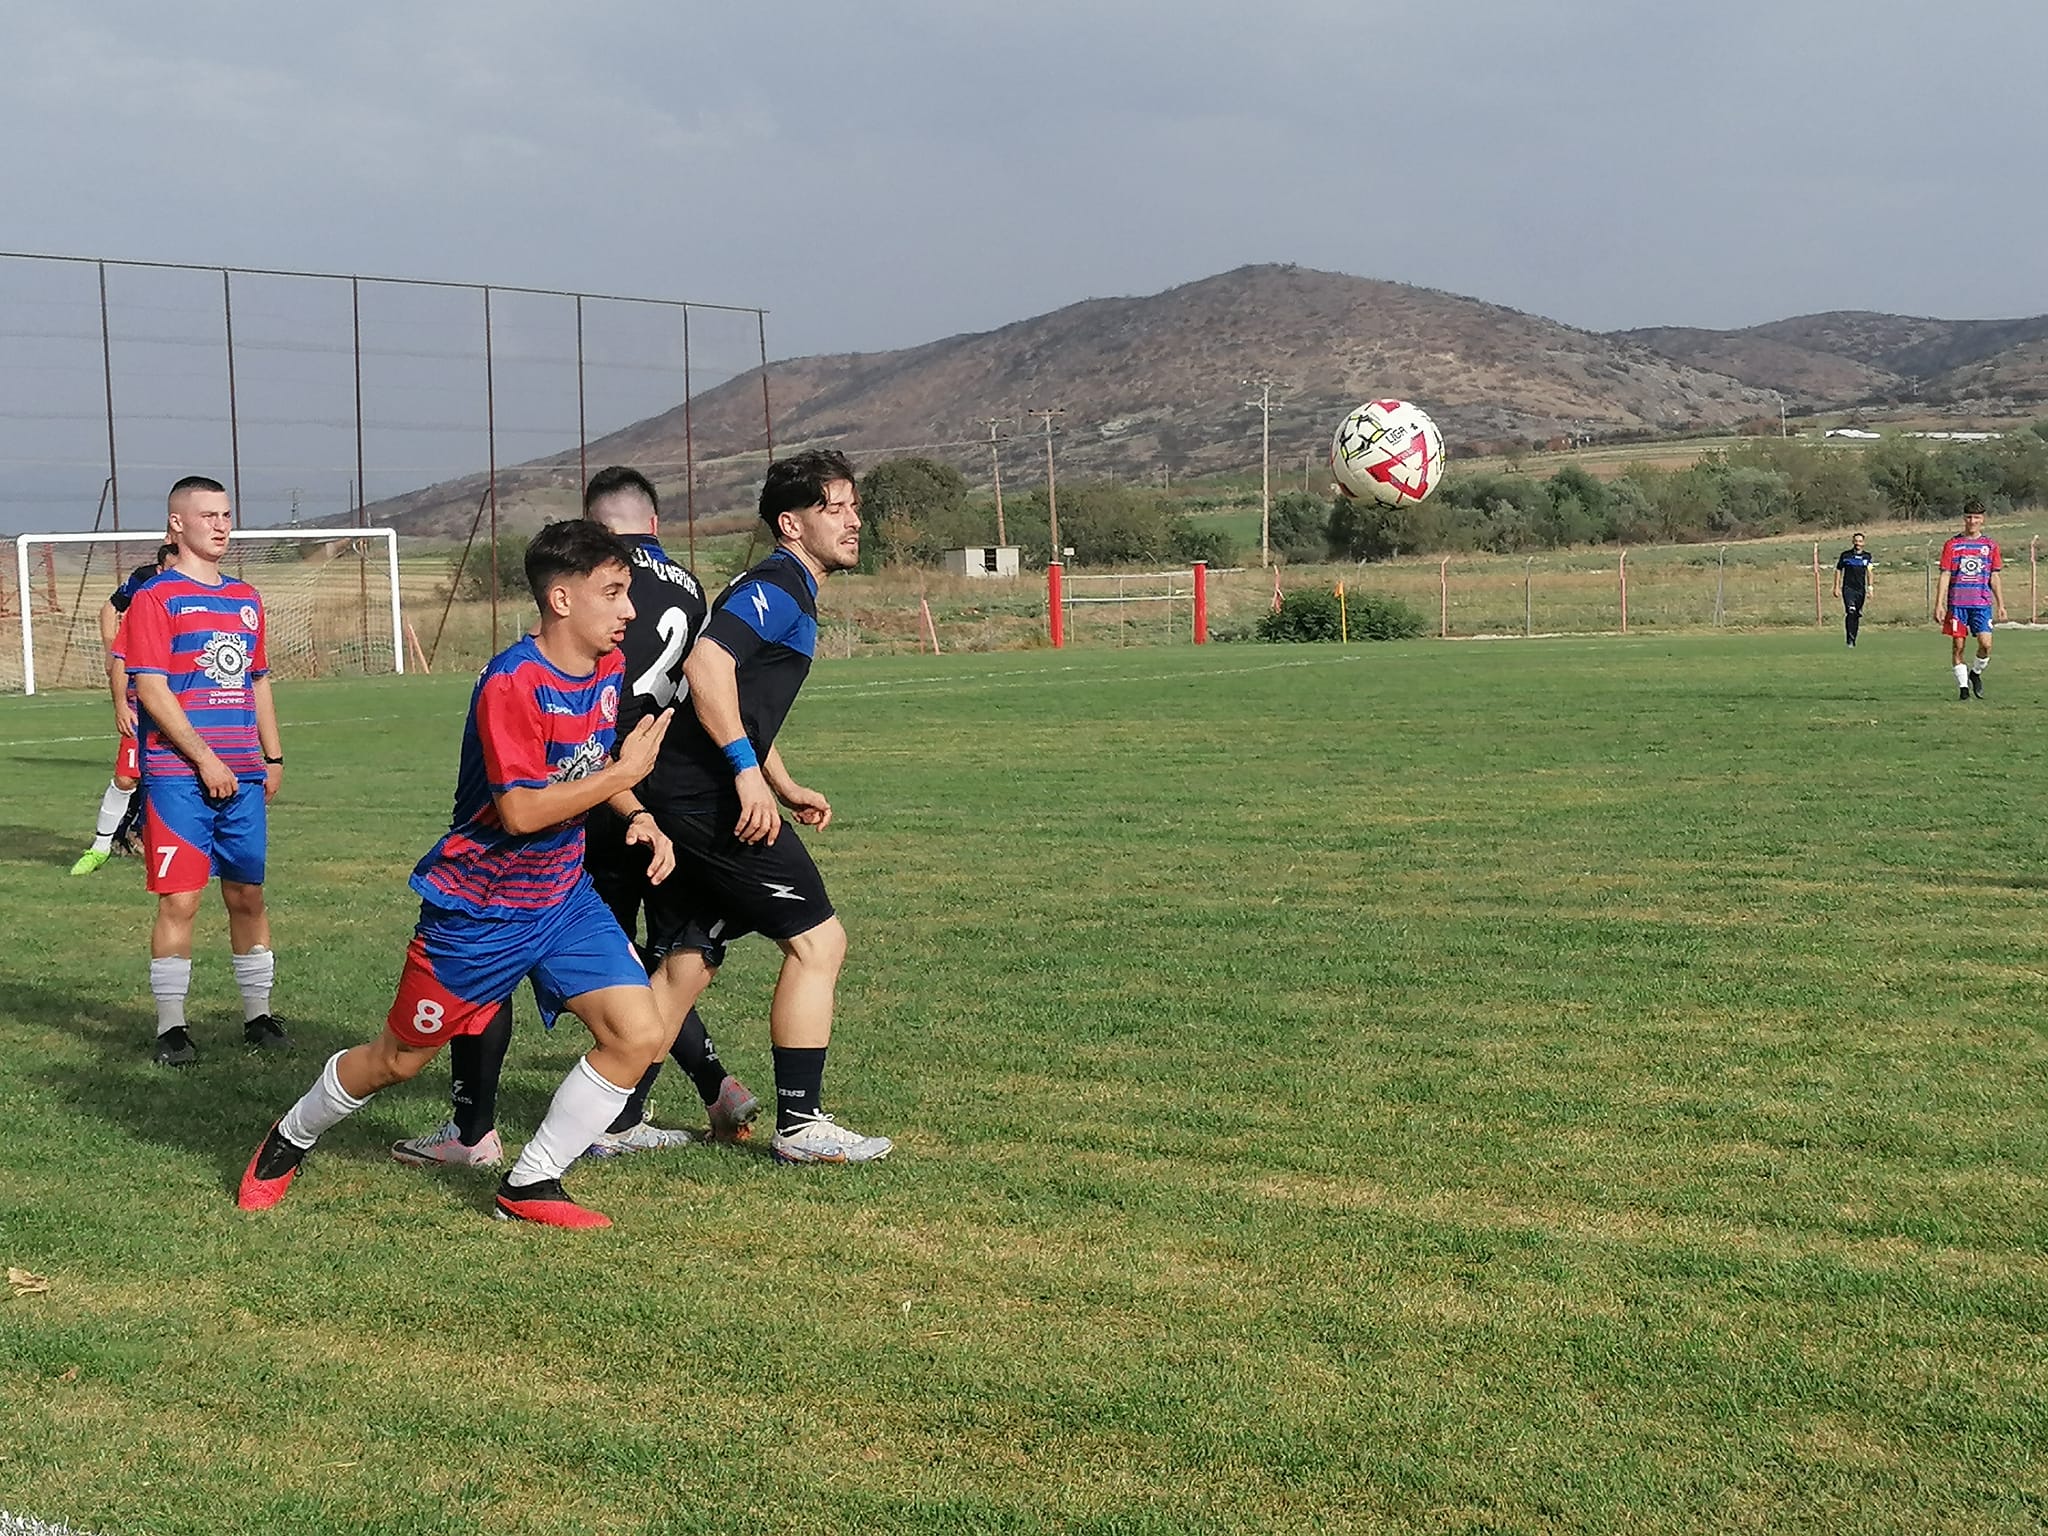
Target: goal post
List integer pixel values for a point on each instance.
(1115, 591)
(330, 599)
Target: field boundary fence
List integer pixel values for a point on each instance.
(328, 399)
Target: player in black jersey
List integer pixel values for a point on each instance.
(1853, 583)
(669, 610)
(739, 868)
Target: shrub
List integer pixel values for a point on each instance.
(1313, 614)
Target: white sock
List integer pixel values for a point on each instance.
(1979, 664)
(1962, 675)
(170, 978)
(113, 806)
(254, 973)
(325, 1106)
(583, 1106)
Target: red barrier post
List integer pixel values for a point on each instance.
(1201, 602)
(1443, 598)
(1621, 569)
(1055, 606)
(2034, 578)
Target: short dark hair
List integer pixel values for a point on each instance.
(570, 548)
(165, 552)
(1973, 508)
(198, 483)
(616, 478)
(799, 481)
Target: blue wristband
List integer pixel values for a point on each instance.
(740, 754)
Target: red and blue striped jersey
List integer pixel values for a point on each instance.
(1973, 561)
(208, 643)
(530, 725)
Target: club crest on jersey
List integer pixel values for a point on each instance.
(608, 703)
(225, 659)
(581, 763)
(248, 615)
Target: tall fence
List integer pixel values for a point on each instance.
(326, 398)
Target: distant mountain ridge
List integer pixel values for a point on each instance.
(1160, 384)
(1857, 357)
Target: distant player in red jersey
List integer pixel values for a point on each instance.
(1969, 594)
(211, 762)
(116, 803)
(504, 894)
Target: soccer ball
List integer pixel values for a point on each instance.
(1389, 452)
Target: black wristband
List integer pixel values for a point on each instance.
(643, 811)
(275, 762)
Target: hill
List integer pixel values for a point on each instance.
(1853, 357)
(1152, 383)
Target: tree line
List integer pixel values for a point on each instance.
(918, 508)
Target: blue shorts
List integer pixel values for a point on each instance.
(1974, 621)
(459, 968)
(188, 839)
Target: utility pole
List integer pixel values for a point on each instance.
(1265, 408)
(995, 466)
(1052, 500)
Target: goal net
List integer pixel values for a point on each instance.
(330, 601)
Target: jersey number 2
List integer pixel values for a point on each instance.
(663, 682)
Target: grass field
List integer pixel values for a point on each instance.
(1587, 1085)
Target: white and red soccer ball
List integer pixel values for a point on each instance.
(1387, 451)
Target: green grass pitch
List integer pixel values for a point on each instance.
(1572, 1086)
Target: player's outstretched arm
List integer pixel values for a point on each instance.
(168, 716)
(534, 809)
(1998, 595)
(811, 808)
(715, 695)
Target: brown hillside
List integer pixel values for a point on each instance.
(1849, 357)
(1154, 382)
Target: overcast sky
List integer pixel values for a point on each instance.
(883, 172)
(880, 173)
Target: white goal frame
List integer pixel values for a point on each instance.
(24, 542)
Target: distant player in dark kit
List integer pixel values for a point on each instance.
(194, 642)
(1970, 596)
(669, 609)
(504, 894)
(739, 868)
(117, 805)
(1853, 583)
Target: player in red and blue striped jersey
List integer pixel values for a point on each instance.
(212, 759)
(503, 895)
(118, 813)
(1969, 595)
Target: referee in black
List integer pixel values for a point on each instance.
(1852, 583)
(740, 868)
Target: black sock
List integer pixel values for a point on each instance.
(696, 1055)
(799, 1079)
(475, 1063)
(636, 1103)
(1855, 621)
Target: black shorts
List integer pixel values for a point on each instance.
(1852, 602)
(722, 888)
(619, 872)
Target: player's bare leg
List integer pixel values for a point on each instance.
(627, 1038)
(255, 965)
(800, 1029)
(170, 975)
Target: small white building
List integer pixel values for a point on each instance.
(983, 560)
